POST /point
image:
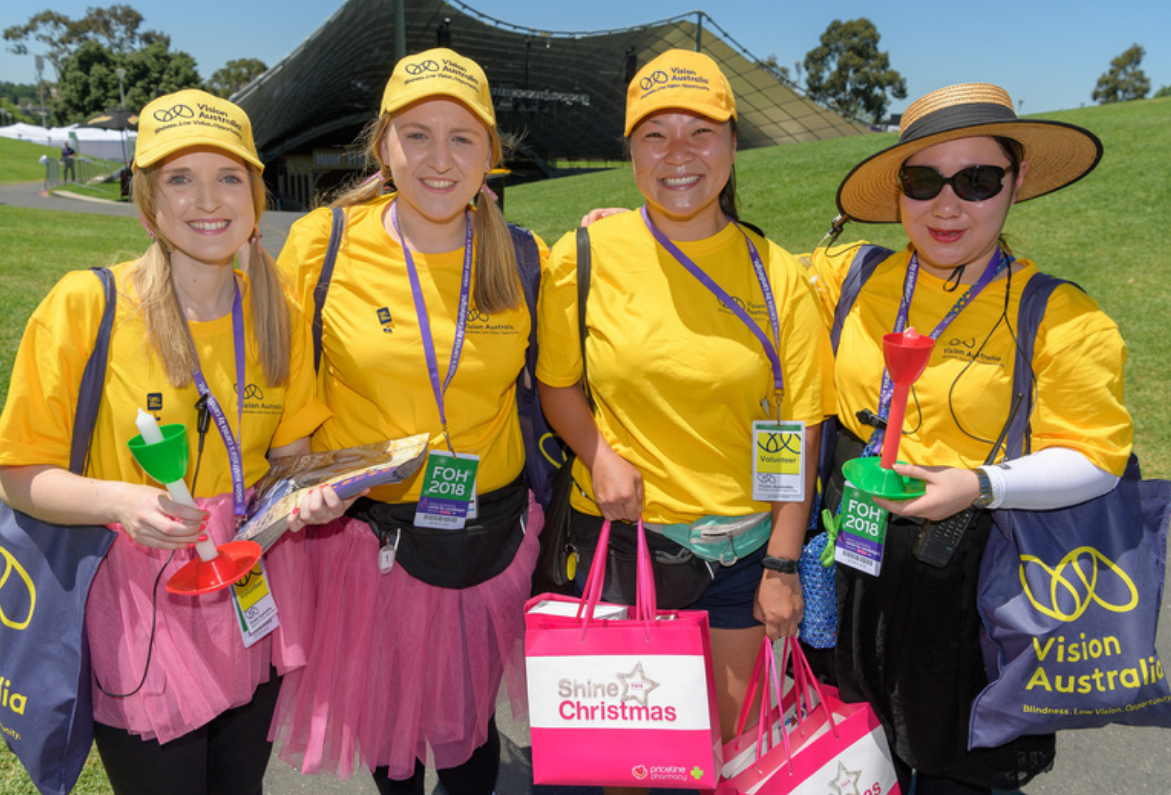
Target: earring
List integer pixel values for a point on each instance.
(146, 226)
(255, 238)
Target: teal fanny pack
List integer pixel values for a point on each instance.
(724, 539)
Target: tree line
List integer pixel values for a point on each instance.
(87, 53)
(846, 71)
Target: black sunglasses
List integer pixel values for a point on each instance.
(972, 184)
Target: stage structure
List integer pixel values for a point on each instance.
(562, 92)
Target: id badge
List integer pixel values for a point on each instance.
(861, 531)
(778, 461)
(255, 607)
(449, 485)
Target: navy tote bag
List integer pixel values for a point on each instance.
(46, 707)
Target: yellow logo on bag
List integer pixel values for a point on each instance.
(1058, 584)
(558, 456)
(13, 565)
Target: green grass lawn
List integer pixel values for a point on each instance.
(14, 781)
(1104, 233)
(19, 160)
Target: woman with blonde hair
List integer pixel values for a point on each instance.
(423, 329)
(181, 703)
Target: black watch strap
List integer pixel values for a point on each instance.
(783, 565)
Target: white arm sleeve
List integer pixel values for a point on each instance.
(1051, 478)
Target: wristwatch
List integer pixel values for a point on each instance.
(783, 565)
(986, 495)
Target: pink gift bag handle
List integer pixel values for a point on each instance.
(776, 676)
(753, 686)
(596, 578)
(767, 671)
(595, 581)
(645, 597)
(764, 671)
(646, 608)
(801, 669)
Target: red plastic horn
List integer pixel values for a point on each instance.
(234, 560)
(906, 355)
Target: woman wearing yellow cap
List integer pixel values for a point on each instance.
(181, 704)
(700, 336)
(424, 329)
(909, 633)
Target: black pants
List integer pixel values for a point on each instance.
(227, 756)
(477, 776)
(933, 785)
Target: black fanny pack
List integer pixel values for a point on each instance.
(680, 577)
(461, 558)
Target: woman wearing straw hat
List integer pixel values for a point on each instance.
(697, 328)
(424, 330)
(181, 705)
(908, 639)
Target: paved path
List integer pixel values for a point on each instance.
(1115, 759)
(274, 225)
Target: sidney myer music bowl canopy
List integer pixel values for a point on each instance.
(565, 92)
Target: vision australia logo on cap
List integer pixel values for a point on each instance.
(444, 69)
(179, 111)
(675, 77)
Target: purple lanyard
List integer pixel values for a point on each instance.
(425, 322)
(235, 459)
(998, 263)
(770, 346)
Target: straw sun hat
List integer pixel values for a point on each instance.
(1058, 154)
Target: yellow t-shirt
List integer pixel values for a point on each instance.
(37, 424)
(374, 372)
(677, 377)
(957, 408)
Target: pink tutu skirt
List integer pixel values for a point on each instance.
(199, 667)
(400, 670)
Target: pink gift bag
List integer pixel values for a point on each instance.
(807, 741)
(622, 701)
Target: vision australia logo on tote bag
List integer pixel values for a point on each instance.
(45, 697)
(1070, 600)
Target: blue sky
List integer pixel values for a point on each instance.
(1047, 54)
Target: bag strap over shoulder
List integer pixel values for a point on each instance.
(584, 266)
(322, 287)
(1030, 313)
(528, 402)
(528, 264)
(865, 262)
(89, 396)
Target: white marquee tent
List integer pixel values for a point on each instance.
(92, 142)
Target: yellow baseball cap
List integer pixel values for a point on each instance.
(193, 118)
(680, 79)
(439, 72)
